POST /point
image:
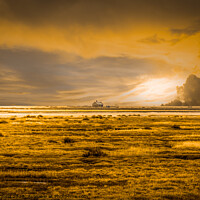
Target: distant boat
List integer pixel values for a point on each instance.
(97, 104)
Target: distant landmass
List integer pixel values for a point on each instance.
(188, 94)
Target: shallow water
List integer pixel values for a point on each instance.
(60, 111)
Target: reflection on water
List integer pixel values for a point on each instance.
(62, 111)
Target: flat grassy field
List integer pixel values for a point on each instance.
(100, 157)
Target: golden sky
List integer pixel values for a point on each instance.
(72, 52)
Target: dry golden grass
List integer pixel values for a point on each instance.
(100, 157)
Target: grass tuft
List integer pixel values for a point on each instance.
(3, 122)
(147, 128)
(86, 118)
(12, 118)
(176, 127)
(68, 140)
(94, 152)
(52, 141)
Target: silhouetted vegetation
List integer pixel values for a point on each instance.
(175, 102)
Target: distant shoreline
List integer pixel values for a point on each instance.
(110, 109)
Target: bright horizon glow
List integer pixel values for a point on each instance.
(155, 90)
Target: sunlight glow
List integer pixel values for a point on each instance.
(153, 90)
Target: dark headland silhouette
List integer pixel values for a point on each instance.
(188, 94)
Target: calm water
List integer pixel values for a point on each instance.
(64, 111)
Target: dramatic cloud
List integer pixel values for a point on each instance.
(191, 91)
(74, 51)
(188, 94)
(47, 77)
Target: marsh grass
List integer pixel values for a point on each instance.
(123, 157)
(176, 126)
(68, 140)
(94, 152)
(188, 145)
(3, 122)
(147, 128)
(187, 156)
(12, 118)
(52, 141)
(86, 118)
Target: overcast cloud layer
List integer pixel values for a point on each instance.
(59, 52)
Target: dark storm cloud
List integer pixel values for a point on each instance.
(39, 77)
(188, 94)
(97, 12)
(191, 91)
